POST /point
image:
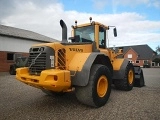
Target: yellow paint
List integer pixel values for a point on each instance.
(130, 76)
(97, 35)
(83, 25)
(102, 86)
(78, 61)
(105, 51)
(46, 79)
(117, 64)
(71, 50)
(74, 50)
(93, 23)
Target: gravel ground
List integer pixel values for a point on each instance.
(21, 102)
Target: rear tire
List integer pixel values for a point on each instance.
(139, 82)
(127, 82)
(98, 90)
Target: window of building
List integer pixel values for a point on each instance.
(129, 55)
(145, 61)
(137, 61)
(10, 56)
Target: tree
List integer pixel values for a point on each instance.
(158, 49)
(156, 60)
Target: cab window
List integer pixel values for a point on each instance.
(85, 34)
(102, 37)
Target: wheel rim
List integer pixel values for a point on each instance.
(130, 76)
(102, 86)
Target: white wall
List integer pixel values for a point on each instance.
(15, 44)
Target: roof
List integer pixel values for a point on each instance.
(93, 22)
(143, 51)
(24, 34)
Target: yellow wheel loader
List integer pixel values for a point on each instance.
(82, 64)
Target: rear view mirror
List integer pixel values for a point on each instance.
(115, 32)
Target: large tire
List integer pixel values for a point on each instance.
(12, 70)
(98, 89)
(139, 82)
(127, 82)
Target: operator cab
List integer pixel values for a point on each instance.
(91, 32)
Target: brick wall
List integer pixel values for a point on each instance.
(134, 57)
(131, 55)
(142, 62)
(4, 63)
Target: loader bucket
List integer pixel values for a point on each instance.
(139, 78)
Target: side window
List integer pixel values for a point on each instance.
(102, 37)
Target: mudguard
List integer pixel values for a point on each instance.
(139, 78)
(81, 78)
(119, 72)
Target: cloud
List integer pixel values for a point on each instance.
(99, 4)
(133, 28)
(151, 3)
(32, 16)
(135, 3)
(156, 3)
(131, 2)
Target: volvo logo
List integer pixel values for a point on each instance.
(76, 49)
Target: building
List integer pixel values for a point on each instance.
(141, 55)
(156, 61)
(15, 42)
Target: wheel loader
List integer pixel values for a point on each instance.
(83, 64)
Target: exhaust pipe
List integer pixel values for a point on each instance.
(64, 31)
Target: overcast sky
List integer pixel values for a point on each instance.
(137, 21)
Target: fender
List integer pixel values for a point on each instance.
(81, 76)
(119, 66)
(138, 72)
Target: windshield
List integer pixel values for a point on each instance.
(84, 34)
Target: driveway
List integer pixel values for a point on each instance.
(22, 102)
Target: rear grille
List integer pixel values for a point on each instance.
(39, 59)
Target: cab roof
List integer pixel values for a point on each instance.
(92, 23)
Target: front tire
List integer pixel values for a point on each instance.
(98, 90)
(127, 82)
